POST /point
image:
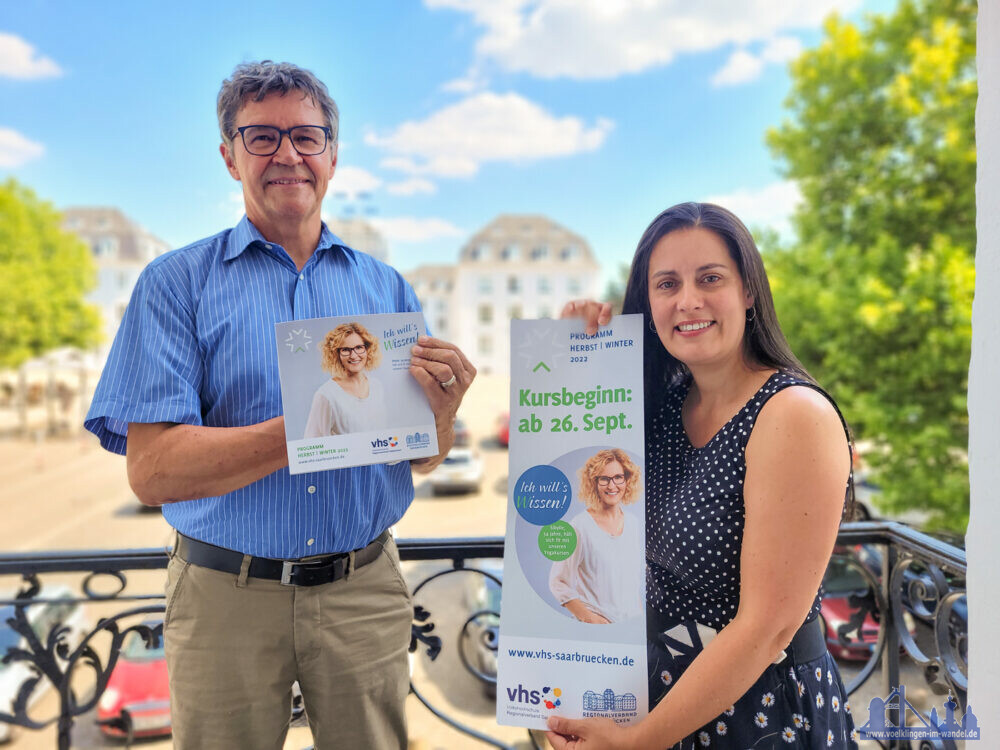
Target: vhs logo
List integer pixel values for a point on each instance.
(547, 696)
(384, 443)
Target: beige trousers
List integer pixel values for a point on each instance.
(234, 647)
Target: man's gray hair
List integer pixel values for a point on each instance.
(258, 79)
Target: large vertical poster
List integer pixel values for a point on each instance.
(572, 625)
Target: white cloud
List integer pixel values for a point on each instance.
(350, 182)
(16, 150)
(769, 206)
(599, 39)
(741, 67)
(456, 140)
(412, 186)
(412, 229)
(18, 59)
(782, 49)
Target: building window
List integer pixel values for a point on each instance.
(544, 287)
(442, 326)
(510, 252)
(573, 285)
(540, 252)
(485, 345)
(485, 285)
(544, 312)
(515, 312)
(569, 252)
(478, 252)
(513, 284)
(485, 314)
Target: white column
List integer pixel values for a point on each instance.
(984, 393)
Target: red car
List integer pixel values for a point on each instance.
(136, 702)
(503, 429)
(841, 581)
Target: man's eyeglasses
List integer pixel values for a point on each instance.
(605, 481)
(264, 140)
(346, 351)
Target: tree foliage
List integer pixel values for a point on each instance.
(875, 297)
(44, 274)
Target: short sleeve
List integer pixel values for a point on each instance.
(154, 370)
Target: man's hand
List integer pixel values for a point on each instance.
(589, 734)
(594, 314)
(433, 364)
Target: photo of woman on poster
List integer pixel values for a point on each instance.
(599, 582)
(350, 401)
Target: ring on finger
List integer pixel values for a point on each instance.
(449, 382)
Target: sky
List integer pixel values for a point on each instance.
(596, 113)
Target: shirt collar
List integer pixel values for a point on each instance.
(245, 234)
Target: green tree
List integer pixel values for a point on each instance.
(44, 274)
(614, 292)
(876, 295)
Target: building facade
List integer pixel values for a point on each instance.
(360, 235)
(517, 266)
(121, 249)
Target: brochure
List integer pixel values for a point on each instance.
(347, 393)
(573, 623)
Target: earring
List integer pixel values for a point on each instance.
(751, 314)
(652, 327)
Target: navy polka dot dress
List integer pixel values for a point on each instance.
(694, 529)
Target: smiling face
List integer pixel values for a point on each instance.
(284, 190)
(353, 361)
(697, 298)
(611, 482)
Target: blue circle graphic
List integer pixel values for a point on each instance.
(542, 495)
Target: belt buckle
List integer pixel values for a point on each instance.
(286, 572)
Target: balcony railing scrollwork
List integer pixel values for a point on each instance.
(892, 592)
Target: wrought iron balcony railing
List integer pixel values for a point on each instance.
(900, 593)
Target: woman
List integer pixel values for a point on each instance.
(350, 401)
(748, 462)
(599, 582)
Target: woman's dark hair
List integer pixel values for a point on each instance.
(763, 342)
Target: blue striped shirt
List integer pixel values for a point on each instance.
(197, 346)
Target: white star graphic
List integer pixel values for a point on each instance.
(298, 340)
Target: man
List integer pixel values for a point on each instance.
(191, 395)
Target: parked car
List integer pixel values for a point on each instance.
(463, 437)
(841, 582)
(136, 702)
(478, 645)
(57, 610)
(503, 429)
(461, 471)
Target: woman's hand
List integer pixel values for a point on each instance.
(589, 734)
(583, 613)
(594, 314)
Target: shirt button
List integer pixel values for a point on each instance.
(311, 489)
(310, 542)
(268, 247)
(301, 276)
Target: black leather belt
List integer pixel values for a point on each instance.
(310, 571)
(808, 643)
